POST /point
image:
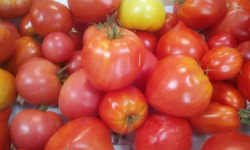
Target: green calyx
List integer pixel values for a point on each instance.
(244, 116)
(131, 119)
(62, 76)
(179, 2)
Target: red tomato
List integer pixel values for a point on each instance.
(222, 63)
(5, 141)
(161, 132)
(14, 8)
(177, 86)
(243, 81)
(6, 44)
(181, 40)
(222, 39)
(236, 21)
(215, 119)
(83, 133)
(50, 16)
(40, 75)
(124, 110)
(31, 129)
(225, 141)
(112, 64)
(26, 28)
(92, 10)
(11, 27)
(90, 31)
(200, 14)
(226, 94)
(25, 48)
(244, 49)
(57, 47)
(76, 37)
(148, 39)
(78, 98)
(74, 62)
(170, 22)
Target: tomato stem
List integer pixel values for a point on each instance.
(132, 119)
(244, 116)
(43, 107)
(62, 76)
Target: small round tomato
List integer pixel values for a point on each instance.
(5, 141)
(57, 47)
(124, 110)
(244, 49)
(177, 86)
(230, 140)
(146, 15)
(243, 81)
(31, 129)
(161, 132)
(50, 16)
(73, 63)
(6, 44)
(148, 39)
(222, 63)
(222, 39)
(8, 93)
(83, 133)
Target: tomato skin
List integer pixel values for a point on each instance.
(89, 32)
(31, 129)
(78, 98)
(25, 48)
(44, 17)
(8, 93)
(177, 86)
(222, 39)
(148, 39)
(26, 28)
(92, 10)
(39, 74)
(216, 118)
(161, 132)
(200, 14)
(181, 40)
(112, 64)
(57, 47)
(119, 107)
(11, 27)
(244, 49)
(226, 94)
(148, 15)
(223, 63)
(5, 141)
(74, 62)
(6, 44)
(83, 133)
(224, 141)
(14, 8)
(243, 81)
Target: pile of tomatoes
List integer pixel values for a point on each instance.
(119, 67)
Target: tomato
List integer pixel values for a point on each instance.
(50, 16)
(224, 141)
(83, 133)
(5, 141)
(146, 15)
(216, 118)
(92, 10)
(112, 64)
(57, 47)
(244, 49)
(26, 28)
(181, 40)
(243, 81)
(222, 39)
(74, 62)
(222, 63)
(200, 14)
(177, 86)
(11, 27)
(76, 37)
(148, 39)
(40, 75)
(25, 48)
(14, 8)
(90, 31)
(226, 94)
(124, 110)
(31, 129)
(236, 21)
(78, 98)
(160, 132)
(170, 22)
(8, 93)
(6, 44)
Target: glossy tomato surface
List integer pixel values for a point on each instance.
(244, 49)
(222, 39)
(6, 44)
(243, 80)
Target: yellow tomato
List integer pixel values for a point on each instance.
(8, 92)
(146, 15)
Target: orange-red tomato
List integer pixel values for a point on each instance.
(6, 44)
(5, 141)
